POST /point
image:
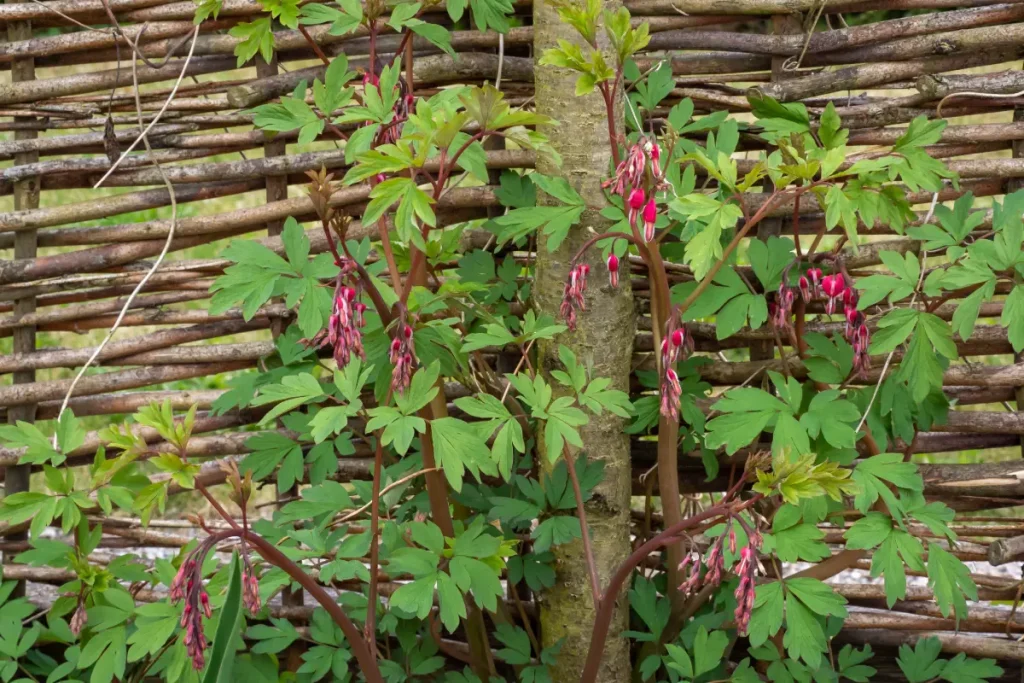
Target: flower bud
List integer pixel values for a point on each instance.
(805, 289)
(636, 199)
(613, 270)
(650, 216)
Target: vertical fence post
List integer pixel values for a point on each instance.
(26, 196)
(1012, 185)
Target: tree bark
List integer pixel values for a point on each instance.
(603, 338)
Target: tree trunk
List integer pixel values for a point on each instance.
(603, 339)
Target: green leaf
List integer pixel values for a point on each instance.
(830, 131)
(533, 568)
(207, 9)
(766, 618)
(937, 516)
(921, 663)
(272, 639)
(805, 633)
(221, 660)
(268, 451)
(769, 260)
(457, 447)
(802, 542)
(906, 274)
(38, 448)
(705, 248)
(1013, 317)
(963, 669)
(818, 596)
(779, 119)
(829, 360)
(416, 597)
(708, 650)
(851, 661)
(553, 221)
(746, 412)
(875, 473)
(563, 420)
(290, 393)
(556, 530)
(516, 191)
(478, 577)
(105, 653)
(489, 14)
(517, 651)
(868, 532)
(256, 37)
(899, 550)
(657, 86)
(832, 417)
(678, 660)
(652, 609)
(951, 580)
(921, 132)
(155, 625)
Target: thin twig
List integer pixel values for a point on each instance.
(143, 136)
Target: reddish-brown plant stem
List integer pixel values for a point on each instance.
(215, 504)
(588, 549)
(418, 263)
(409, 80)
(389, 254)
(668, 431)
(370, 627)
(796, 227)
(364, 657)
(613, 136)
(581, 512)
(437, 489)
(735, 242)
(316, 48)
(372, 62)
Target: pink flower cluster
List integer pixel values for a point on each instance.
(641, 206)
(714, 564)
(744, 594)
(250, 590)
(188, 586)
(781, 309)
(403, 357)
(344, 325)
(835, 289)
(676, 345)
(630, 171)
(572, 295)
(639, 170)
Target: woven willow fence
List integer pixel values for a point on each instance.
(79, 233)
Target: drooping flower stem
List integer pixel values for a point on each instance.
(604, 613)
(360, 648)
(370, 627)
